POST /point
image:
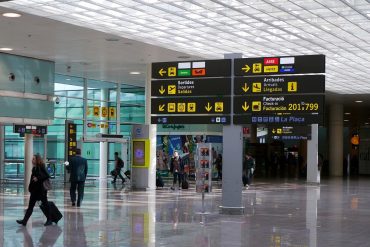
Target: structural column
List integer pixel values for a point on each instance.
(28, 155)
(313, 175)
(336, 140)
(2, 153)
(152, 130)
(103, 163)
(232, 161)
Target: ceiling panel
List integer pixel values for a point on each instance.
(210, 28)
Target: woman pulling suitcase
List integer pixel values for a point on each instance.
(37, 190)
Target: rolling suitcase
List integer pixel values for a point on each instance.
(185, 185)
(159, 181)
(56, 215)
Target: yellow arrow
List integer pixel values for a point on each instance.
(161, 107)
(273, 131)
(162, 90)
(245, 106)
(245, 88)
(246, 68)
(208, 107)
(162, 72)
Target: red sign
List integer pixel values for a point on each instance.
(245, 131)
(198, 72)
(271, 61)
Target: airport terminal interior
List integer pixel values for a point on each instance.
(266, 102)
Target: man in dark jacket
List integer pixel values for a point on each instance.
(118, 165)
(78, 169)
(249, 164)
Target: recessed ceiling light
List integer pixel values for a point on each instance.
(6, 49)
(345, 120)
(12, 15)
(358, 101)
(347, 113)
(135, 73)
(366, 123)
(68, 79)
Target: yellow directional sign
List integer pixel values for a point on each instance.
(292, 86)
(245, 106)
(256, 106)
(245, 88)
(208, 107)
(191, 107)
(257, 68)
(161, 107)
(271, 69)
(246, 68)
(219, 106)
(273, 131)
(171, 89)
(278, 131)
(162, 90)
(162, 72)
(181, 107)
(171, 71)
(257, 87)
(112, 112)
(96, 111)
(171, 107)
(104, 111)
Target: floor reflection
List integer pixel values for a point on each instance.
(276, 214)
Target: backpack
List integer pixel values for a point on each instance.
(120, 163)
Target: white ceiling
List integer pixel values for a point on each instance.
(86, 51)
(340, 29)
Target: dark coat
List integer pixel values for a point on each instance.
(36, 188)
(78, 169)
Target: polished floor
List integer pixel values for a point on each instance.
(277, 213)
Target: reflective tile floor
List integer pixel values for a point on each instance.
(278, 213)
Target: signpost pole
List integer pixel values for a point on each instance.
(232, 159)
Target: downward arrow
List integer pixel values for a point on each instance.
(245, 106)
(208, 107)
(162, 90)
(245, 88)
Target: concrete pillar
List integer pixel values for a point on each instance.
(313, 175)
(313, 195)
(103, 163)
(2, 151)
(152, 130)
(232, 161)
(336, 140)
(28, 155)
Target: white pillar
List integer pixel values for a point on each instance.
(28, 155)
(2, 152)
(103, 163)
(313, 174)
(313, 194)
(336, 140)
(152, 130)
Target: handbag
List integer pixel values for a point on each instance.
(47, 184)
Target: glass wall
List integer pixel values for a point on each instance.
(102, 116)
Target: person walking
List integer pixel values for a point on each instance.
(119, 164)
(37, 190)
(249, 165)
(218, 164)
(78, 169)
(177, 169)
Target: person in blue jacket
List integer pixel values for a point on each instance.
(78, 170)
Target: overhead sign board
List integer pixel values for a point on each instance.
(303, 84)
(191, 87)
(296, 119)
(279, 104)
(30, 129)
(279, 65)
(289, 132)
(214, 119)
(194, 105)
(192, 69)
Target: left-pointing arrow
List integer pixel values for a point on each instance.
(162, 72)
(161, 107)
(162, 90)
